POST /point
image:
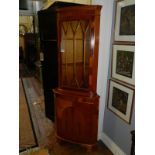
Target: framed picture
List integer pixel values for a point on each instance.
(123, 63)
(120, 100)
(125, 21)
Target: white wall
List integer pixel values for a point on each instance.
(110, 127)
(104, 55)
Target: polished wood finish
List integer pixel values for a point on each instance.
(76, 100)
(76, 115)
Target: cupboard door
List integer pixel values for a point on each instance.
(76, 118)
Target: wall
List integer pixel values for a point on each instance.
(113, 131)
(118, 131)
(29, 10)
(27, 21)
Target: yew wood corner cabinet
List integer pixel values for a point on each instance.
(76, 100)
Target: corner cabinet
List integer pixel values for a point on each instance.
(76, 100)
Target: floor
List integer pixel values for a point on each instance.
(26, 137)
(45, 129)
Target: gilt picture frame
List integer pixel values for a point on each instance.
(120, 100)
(125, 21)
(123, 63)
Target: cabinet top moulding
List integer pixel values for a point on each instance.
(82, 10)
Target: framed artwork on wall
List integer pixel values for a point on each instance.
(120, 100)
(125, 21)
(123, 63)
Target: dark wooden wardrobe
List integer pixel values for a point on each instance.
(48, 42)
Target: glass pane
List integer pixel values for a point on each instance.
(65, 26)
(78, 32)
(75, 50)
(79, 62)
(67, 62)
(74, 25)
(84, 25)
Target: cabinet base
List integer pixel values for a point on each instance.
(88, 147)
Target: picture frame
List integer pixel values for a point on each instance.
(125, 21)
(120, 100)
(123, 63)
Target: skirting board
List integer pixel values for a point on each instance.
(111, 145)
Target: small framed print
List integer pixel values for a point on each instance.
(125, 21)
(123, 63)
(120, 100)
